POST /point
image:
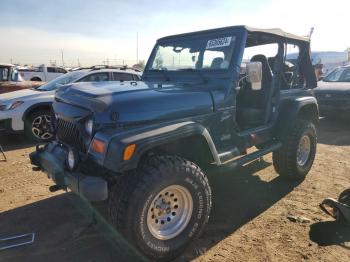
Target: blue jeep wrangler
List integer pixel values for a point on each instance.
(142, 147)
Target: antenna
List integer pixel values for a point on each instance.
(311, 32)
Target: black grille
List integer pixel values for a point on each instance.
(68, 133)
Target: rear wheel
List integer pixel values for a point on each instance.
(36, 79)
(295, 158)
(38, 126)
(162, 206)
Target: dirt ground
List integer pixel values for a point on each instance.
(248, 221)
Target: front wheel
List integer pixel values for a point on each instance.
(38, 126)
(294, 160)
(162, 206)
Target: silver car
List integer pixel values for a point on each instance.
(30, 110)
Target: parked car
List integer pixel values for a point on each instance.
(42, 73)
(145, 148)
(10, 80)
(30, 110)
(333, 93)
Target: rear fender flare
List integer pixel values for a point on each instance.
(291, 110)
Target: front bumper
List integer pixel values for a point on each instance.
(5, 126)
(52, 158)
(13, 120)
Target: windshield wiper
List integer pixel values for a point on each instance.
(199, 73)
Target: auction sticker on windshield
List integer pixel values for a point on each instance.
(219, 42)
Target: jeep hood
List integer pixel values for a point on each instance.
(138, 101)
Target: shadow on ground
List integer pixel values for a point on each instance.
(11, 142)
(330, 233)
(334, 132)
(64, 232)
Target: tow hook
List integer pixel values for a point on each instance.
(40, 147)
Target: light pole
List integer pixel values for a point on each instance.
(62, 57)
(137, 47)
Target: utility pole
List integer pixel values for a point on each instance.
(62, 57)
(137, 47)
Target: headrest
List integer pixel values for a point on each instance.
(216, 63)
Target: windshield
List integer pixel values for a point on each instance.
(61, 80)
(341, 74)
(203, 53)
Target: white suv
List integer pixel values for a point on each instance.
(30, 110)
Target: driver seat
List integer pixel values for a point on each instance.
(252, 111)
(216, 63)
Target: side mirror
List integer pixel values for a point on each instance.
(254, 74)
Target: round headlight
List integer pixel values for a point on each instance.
(89, 125)
(71, 160)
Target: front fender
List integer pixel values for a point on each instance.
(148, 138)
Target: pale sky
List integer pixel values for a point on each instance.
(35, 31)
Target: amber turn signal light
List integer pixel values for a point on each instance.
(129, 151)
(98, 146)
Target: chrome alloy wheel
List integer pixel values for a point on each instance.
(304, 150)
(42, 127)
(170, 212)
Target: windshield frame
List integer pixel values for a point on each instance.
(236, 55)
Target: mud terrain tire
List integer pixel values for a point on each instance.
(297, 154)
(152, 197)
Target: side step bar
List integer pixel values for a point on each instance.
(252, 156)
